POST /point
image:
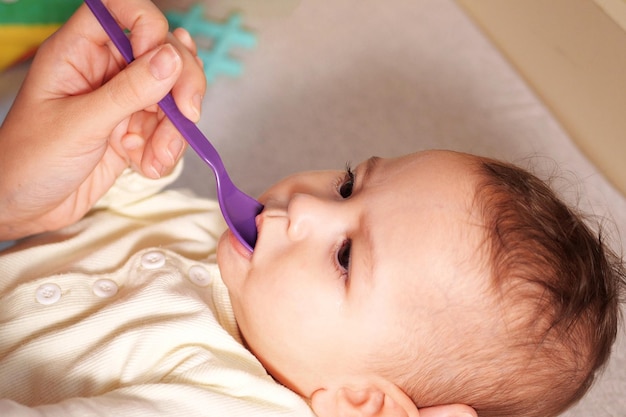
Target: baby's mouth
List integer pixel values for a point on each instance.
(258, 220)
(238, 246)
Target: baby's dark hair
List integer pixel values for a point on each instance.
(553, 297)
(560, 286)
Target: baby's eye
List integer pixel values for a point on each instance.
(345, 188)
(343, 255)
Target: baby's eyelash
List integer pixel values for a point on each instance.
(341, 258)
(345, 183)
(347, 174)
(348, 170)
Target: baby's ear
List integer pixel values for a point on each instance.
(363, 399)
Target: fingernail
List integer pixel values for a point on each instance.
(175, 148)
(196, 104)
(157, 169)
(163, 64)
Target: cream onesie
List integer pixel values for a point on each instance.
(125, 314)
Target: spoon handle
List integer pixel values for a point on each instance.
(189, 130)
(238, 208)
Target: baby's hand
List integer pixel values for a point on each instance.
(83, 116)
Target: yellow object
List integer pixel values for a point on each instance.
(19, 41)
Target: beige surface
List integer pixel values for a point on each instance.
(616, 9)
(574, 55)
(341, 80)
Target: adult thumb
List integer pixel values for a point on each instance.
(141, 84)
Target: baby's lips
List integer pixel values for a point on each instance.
(258, 220)
(238, 246)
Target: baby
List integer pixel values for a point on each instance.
(434, 284)
(455, 278)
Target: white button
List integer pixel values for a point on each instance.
(48, 294)
(104, 288)
(153, 260)
(199, 276)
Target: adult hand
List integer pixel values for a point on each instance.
(82, 116)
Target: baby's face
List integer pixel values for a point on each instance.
(344, 265)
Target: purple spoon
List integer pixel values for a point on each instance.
(238, 208)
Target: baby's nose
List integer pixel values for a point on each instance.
(307, 215)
